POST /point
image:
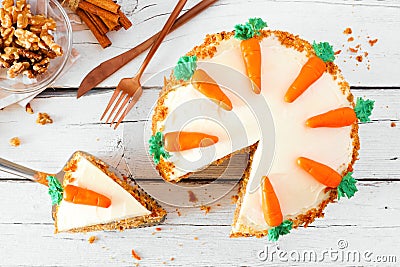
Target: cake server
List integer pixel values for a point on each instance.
(108, 67)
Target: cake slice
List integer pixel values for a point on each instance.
(94, 198)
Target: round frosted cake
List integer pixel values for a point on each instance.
(315, 128)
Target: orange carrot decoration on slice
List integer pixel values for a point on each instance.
(251, 50)
(335, 118)
(251, 53)
(311, 71)
(208, 87)
(322, 173)
(270, 205)
(79, 195)
(180, 141)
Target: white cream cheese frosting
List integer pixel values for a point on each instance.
(296, 190)
(123, 204)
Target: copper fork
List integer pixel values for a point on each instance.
(129, 90)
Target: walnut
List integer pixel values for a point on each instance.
(21, 5)
(6, 63)
(26, 38)
(28, 108)
(5, 18)
(43, 118)
(49, 41)
(34, 57)
(22, 20)
(17, 68)
(8, 35)
(10, 53)
(7, 4)
(41, 66)
(15, 141)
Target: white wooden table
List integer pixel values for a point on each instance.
(370, 222)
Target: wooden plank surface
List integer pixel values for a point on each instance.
(368, 223)
(373, 19)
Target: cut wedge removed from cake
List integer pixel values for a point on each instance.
(314, 124)
(93, 198)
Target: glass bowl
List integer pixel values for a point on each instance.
(63, 37)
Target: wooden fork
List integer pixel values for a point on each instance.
(129, 90)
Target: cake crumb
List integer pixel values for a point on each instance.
(172, 259)
(353, 50)
(205, 208)
(192, 196)
(92, 239)
(351, 39)
(196, 238)
(178, 212)
(158, 229)
(164, 262)
(372, 42)
(234, 199)
(359, 58)
(15, 141)
(393, 124)
(137, 264)
(135, 255)
(338, 52)
(28, 108)
(43, 118)
(348, 31)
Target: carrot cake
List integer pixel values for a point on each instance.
(91, 198)
(273, 94)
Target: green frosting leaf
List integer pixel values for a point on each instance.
(363, 109)
(324, 51)
(55, 189)
(185, 67)
(347, 186)
(282, 229)
(156, 147)
(250, 29)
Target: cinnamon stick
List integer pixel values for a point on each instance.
(96, 10)
(101, 38)
(106, 4)
(123, 20)
(111, 25)
(101, 26)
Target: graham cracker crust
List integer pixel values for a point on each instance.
(157, 215)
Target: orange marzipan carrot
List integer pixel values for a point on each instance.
(208, 87)
(251, 53)
(180, 141)
(270, 205)
(309, 73)
(79, 195)
(322, 173)
(334, 118)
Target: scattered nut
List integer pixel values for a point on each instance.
(92, 239)
(43, 118)
(15, 141)
(28, 108)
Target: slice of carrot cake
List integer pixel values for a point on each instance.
(93, 198)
